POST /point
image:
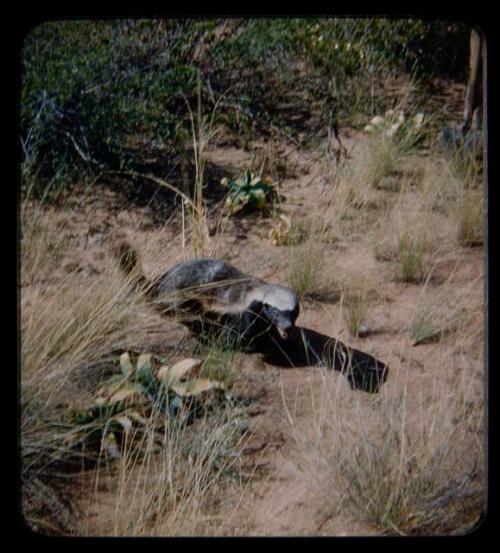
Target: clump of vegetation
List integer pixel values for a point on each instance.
(470, 218)
(383, 162)
(411, 251)
(304, 270)
(74, 418)
(60, 334)
(393, 136)
(430, 322)
(107, 94)
(121, 400)
(423, 329)
(354, 310)
(418, 471)
(248, 192)
(289, 232)
(175, 489)
(405, 132)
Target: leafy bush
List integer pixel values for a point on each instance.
(103, 94)
(248, 192)
(407, 132)
(91, 87)
(127, 398)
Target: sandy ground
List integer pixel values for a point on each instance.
(279, 501)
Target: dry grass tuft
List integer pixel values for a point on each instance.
(408, 462)
(354, 307)
(202, 133)
(305, 262)
(169, 479)
(64, 329)
(304, 270)
(169, 483)
(470, 218)
(411, 251)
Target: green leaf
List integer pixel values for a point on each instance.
(110, 445)
(126, 365)
(197, 386)
(173, 374)
(124, 422)
(144, 369)
(127, 391)
(144, 361)
(134, 415)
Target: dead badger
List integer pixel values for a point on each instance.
(226, 300)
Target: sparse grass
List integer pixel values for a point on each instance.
(42, 246)
(459, 196)
(63, 327)
(439, 187)
(383, 161)
(299, 232)
(394, 137)
(432, 321)
(466, 167)
(403, 236)
(424, 328)
(70, 326)
(61, 335)
(305, 261)
(441, 312)
(304, 270)
(414, 469)
(290, 231)
(272, 160)
(408, 462)
(411, 251)
(169, 483)
(219, 359)
(470, 218)
(202, 133)
(354, 305)
(353, 205)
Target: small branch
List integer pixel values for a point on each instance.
(267, 123)
(86, 158)
(157, 180)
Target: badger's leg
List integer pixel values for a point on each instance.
(241, 330)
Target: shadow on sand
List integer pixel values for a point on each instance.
(306, 348)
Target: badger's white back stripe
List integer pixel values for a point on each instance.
(272, 294)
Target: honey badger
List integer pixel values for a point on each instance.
(245, 305)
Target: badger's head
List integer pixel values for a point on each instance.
(281, 308)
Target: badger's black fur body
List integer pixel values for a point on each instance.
(242, 306)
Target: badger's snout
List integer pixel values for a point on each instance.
(284, 325)
(283, 320)
(284, 331)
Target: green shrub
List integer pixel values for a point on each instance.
(104, 93)
(89, 88)
(248, 192)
